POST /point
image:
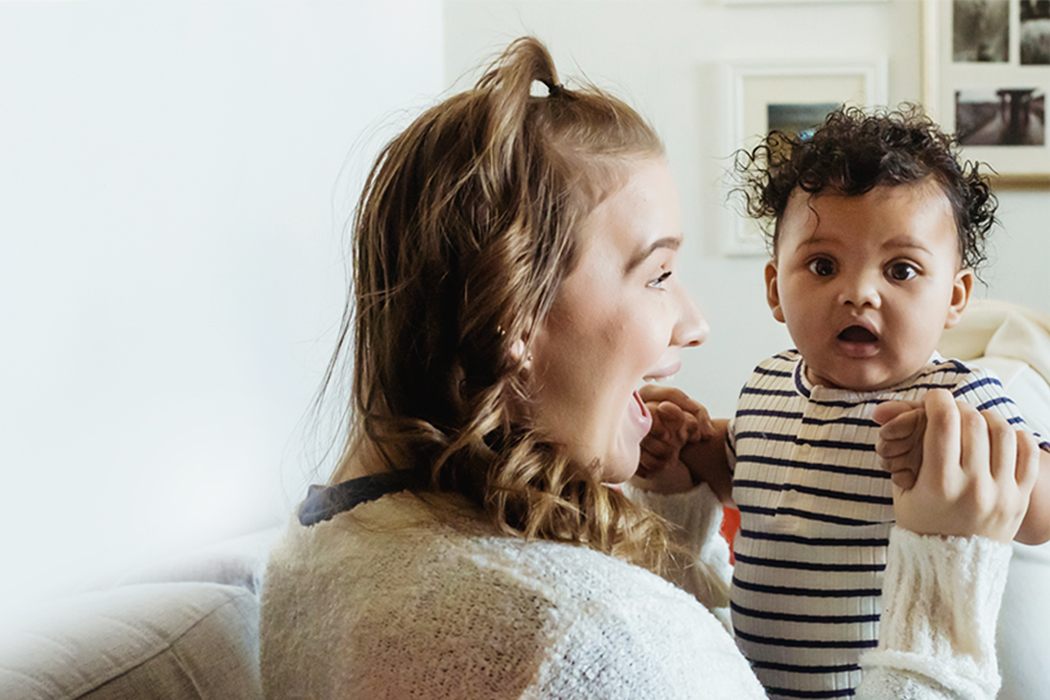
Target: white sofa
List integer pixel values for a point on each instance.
(187, 629)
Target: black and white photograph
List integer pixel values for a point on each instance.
(1003, 117)
(1035, 32)
(981, 31)
(987, 72)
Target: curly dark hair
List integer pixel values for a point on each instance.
(854, 151)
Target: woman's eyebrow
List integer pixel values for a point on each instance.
(672, 242)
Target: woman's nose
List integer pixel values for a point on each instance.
(691, 328)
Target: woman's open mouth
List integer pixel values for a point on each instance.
(640, 416)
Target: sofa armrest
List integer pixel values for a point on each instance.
(176, 641)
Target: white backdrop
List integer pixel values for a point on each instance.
(171, 266)
(172, 189)
(663, 56)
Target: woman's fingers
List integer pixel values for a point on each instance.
(660, 392)
(699, 427)
(1002, 448)
(942, 441)
(975, 451)
(1026, 470)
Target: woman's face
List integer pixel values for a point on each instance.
(620, 317)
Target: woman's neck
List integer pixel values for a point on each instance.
(361, 460)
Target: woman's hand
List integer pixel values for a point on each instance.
(956, 471)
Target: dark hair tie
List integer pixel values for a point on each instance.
(555, 90)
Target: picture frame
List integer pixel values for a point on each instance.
(986, 74)
(799, 2)
(790, 96)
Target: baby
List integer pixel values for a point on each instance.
(877, 232)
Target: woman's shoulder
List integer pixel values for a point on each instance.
(415, 538)
(467, 602)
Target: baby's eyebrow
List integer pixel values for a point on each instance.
(906, 242)
(672, 242)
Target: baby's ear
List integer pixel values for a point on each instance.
(772, 293)
(961, 288)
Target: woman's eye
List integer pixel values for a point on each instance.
(658, 283)
(902, 271)
(822, 267)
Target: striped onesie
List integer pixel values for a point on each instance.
(816, 511)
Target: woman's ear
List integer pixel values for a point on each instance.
(961, 288)
(772, 293)
(518, 350)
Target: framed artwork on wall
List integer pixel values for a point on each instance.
(796, 2)
(986, 74)
(790, 97)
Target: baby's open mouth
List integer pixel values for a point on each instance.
(857, 334)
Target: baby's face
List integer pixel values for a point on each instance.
(866, 284)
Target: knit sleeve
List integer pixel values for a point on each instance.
(940, 604)
(640, 639)
(701, 566)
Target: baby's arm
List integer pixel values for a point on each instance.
(708, 462)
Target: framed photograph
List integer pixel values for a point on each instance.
(791, 97)
(796, 2)
(986, 73)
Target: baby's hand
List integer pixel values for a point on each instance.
(900, 440)
(678, 423)
(676, 420)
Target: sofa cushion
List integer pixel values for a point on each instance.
(165, 640)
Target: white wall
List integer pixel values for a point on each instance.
(171, 261)
(662, 55)
(172, 188)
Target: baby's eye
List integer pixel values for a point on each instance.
(822, 267)
(658, 283)
(902, 271)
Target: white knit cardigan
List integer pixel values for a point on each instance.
(401, 599)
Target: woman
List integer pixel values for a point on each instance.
(514, 259)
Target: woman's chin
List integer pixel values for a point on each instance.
(618, 468)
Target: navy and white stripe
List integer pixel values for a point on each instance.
(816, 512)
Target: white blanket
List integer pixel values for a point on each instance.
(1014, 342)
